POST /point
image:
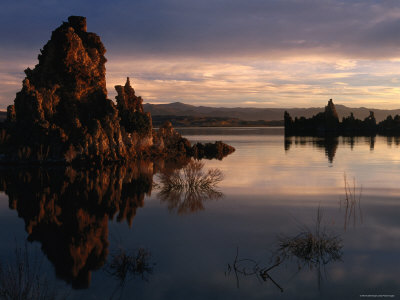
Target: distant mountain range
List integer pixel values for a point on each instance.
(254, 114)
(178, 109)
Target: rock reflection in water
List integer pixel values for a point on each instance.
(67, 210)
(186, 190)
(328, 144)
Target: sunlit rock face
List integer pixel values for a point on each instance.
(137, 124)
(169, 141)
(62, 113)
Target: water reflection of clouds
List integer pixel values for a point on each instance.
(270, 169)
(372, 246)
(253, 223)
(267, 191)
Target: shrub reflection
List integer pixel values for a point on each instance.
(126, 265)
(68, 210)
(185, 190)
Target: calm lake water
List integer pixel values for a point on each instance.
(123, 233)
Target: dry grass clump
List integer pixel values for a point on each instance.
(134, 263)
(311, 247)
(192, 178)
(22, 279)
(187, 189)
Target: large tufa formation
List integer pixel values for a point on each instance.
(62, 113)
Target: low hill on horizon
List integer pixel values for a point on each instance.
(179, 109)
(254, 113)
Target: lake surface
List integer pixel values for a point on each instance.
(295, 218)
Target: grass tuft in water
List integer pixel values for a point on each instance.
(23, 279)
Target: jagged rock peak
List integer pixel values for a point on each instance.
(126, 98)
(78, 23)
(128, 86)
(74, 60)
(330, 110)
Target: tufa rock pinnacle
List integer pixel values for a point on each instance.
(62, 113)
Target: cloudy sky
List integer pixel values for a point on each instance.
(260, 53)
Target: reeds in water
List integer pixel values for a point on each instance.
(351, 203)
(23, 279)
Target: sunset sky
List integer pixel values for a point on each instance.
(265, 53)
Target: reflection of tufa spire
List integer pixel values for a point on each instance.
(67, 210)
(70, 222)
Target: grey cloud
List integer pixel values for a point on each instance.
(212, 31)
(216, 28)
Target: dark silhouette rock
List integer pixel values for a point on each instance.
(62, 113)
(330, 111)
(327, 124)
(288, 121)
(212, 150)
(331, 117)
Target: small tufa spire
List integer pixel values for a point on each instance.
(330, 109)
(128, 88)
